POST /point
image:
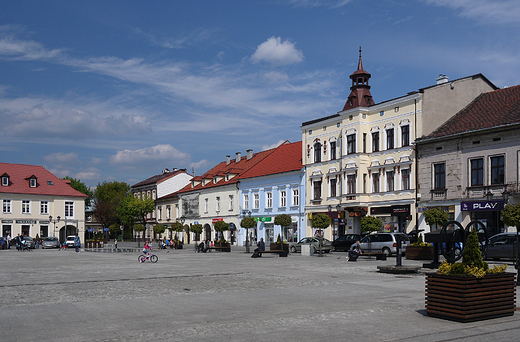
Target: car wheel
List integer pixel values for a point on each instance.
(387, 251)
(293, 249)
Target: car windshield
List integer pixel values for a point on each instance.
(70, 238)
(51, 239)
(27, 238)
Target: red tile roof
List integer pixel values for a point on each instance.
(285, 158)
(492, 109)
(47, 183)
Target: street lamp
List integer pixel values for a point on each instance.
(183, 219)
(54, 222)
(489, 196)
(248, 212)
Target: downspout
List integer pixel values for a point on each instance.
(416, 173)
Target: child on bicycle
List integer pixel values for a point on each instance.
(147, 249)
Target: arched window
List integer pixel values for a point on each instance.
(317, 152)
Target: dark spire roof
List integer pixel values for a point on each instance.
(360, 91)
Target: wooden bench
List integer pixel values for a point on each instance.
(220, 249)
(378, 255)
(279, 252)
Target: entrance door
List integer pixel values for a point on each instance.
(207, 232)
(6, 230)
(26, 229)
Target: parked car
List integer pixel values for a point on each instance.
(51, 242)
(501, 246)
(385, 243)
(344, 242)
(326, 245)
(70, 241)
(29, 240)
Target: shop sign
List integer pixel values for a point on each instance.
(26, 221)
(264, 219)
(400, 209)
(44, 222)
(7, 221)
(482, 206)
(215, 220)
(447, 209)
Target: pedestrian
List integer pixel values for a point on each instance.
(115, 243)
(37, 242)
(354, 252)
(77, 242)
(8, 241)
(261, 245)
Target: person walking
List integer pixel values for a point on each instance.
(77, 242)
(8, 241)
(115, 243)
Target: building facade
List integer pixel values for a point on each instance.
(36, 202)
(361, 161)
(469, 166)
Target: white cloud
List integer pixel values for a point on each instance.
(158, 155)
(88, 174)
(274, 76)
(319, 3)
(62, 158)
(275, 51)
(495, 12)
(200, 165)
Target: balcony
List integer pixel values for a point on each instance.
(438, 194)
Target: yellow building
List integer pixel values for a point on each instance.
(361, 161)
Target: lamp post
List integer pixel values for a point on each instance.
(248, 212)
(183, 219)
(338, 208)
(54, 222)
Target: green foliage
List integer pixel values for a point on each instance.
(81, 187)
(371, 224)
(159, 228)
(471, 255)
(106, 200)
(248, 222)
(177, 226)
(133, 209)
(420, 242)
(511, 215)
(139, 228)
(283, 220)
(320, 221)
(435, 217)
(197, 228)
(114, 229)
(221, 226)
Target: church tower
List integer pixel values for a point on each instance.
(360, 91)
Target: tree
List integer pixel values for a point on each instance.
(177, 227)
(247, 223)
(511, 215)
(435, 217)
(320, 221)
(221, 226)
(282, 220)
(370, 224)
(114, 229)
(133, 209)
(197, 229)
(107, 197)
(81, 187)
(159, 229)
(139, 228)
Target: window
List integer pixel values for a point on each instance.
(375, 182)
(351, 143)
(26, 207)
(317, 152)
(390, 181)
(389, 139)
(269, 199)
(375, 142)
(256, 203)
(246, 201)
(5, 181)
(405, 135)
(364, 183)
(439, 177)
(405, 175)
(69, 209)
(477, 172)
(6, 206)
(296, 197)
(168, 212)
(177, 212)
(497, 170)
(351, 184)
(44, 207)
(364, 143)
(283, 198)
(206, 205)
(153, 194)
(332, 150)
(159, 212)
(317, 190)
(333, 186)
(32, 182)
(230, 202)
(217, 207)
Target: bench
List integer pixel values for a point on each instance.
(220, 249)
(378, 255)
(279, 252)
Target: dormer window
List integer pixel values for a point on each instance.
(5, 180)
(227, 178)
(214, 180)
(32, 182)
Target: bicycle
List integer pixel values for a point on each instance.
(152, 257)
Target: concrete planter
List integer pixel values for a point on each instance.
(467, 299)
(419, 253)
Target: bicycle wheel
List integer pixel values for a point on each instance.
(154, 258)
(141, 258)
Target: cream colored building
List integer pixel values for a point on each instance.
(361, 161)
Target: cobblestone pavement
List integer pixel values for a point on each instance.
(51, 295)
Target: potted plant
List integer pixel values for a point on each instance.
(220, 227)
(177, 227)
(248, 223)
(419, 250)
(470, 290)
(282, 220)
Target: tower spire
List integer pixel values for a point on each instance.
(360, 90)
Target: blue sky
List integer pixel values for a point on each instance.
(120, 90)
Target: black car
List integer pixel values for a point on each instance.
(344, 242)
(501, 246)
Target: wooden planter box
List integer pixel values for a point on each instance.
(419, 253)
(276, 247)
(467, 299)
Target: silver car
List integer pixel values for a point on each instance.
(51, 242)
(385, 243)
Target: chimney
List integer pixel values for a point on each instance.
(174, 169)
(228, 160)
(442, 79)
(165, 171)
(239, 156)
(249, 154)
